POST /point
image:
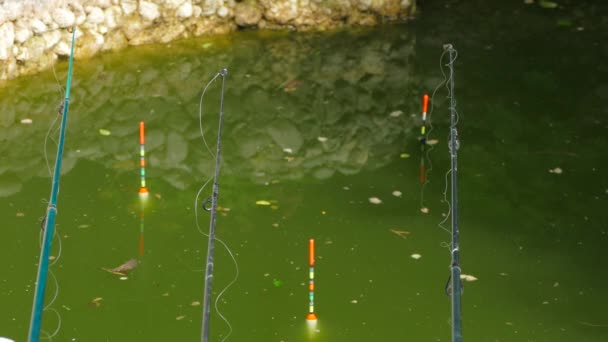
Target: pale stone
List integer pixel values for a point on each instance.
(364, 4)
(46, 18)
(62, 49)
(112, 17)
(96, 16)
(89, 45)
(148, 11)
(196, 11)
(13, 10)
(185, 10)
(115, 40)
(102, 29)
(63, 17)
(22, 34)
(247, 14)
(222, 12)
(38, 26)
(51, 38)
(2, 15)
(7, 38)
(103, 4)
(172, 4)
(128, 6)
(33, 48)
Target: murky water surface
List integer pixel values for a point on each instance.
(316, 124)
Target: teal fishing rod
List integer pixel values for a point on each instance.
(51, 212)
(454, 145)
(214, 197)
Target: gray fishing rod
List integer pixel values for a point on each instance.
(214, 197)
(454, 144)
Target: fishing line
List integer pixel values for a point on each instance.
(200, 114)
(427, 153)
(213, 209)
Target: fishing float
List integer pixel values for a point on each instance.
(51, 212)
(425, 103)
(143, 191)
(311, 281)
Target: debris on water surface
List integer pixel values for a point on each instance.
(26, 121)
(207, 45)
(52, 257)
(397, 193)
(179, 318)
(96, 302)
(104, 132)
(195, 303)
(432, 142)
(404, 155)
(291, 85)
(277, 283)
(400, 233)
(375, 200)
(288, 150)
(20, 214)
(262, 202)
(547, 4)
(276, 225)
(556, 170)
(322, 139)
(123, 278)
(395, 114)
(123, 269)
(354, 301)
(424, 210)
(468, 277)
(416, 256)
(166, 294)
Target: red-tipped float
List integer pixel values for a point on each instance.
(311, 281)
(142, 161)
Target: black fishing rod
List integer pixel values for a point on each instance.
(214, 197)
(454, 144)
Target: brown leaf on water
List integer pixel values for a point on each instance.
(124, 268)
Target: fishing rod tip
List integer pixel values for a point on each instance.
(448, 47)
(224, 72)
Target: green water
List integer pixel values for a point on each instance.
(530, 93)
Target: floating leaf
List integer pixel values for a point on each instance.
(547, 4)
(195, 303)
(556, 170)
(424, 210)
(432, 142)
(124, 278)
(96, 302)
(288, 150)
(396, 114)
(104, 132)
(262, 202)
(397, 193)
(354, 301)
(416, 256)
(468, 277)
(322, 139)
(26, 121)
(375, 200)
(179, 318)
(20, 214)
(404, 155)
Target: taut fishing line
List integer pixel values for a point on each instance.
(203, 205)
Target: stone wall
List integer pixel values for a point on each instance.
(35, 33)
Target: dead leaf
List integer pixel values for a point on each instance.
(374, 200)
(424, 210)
